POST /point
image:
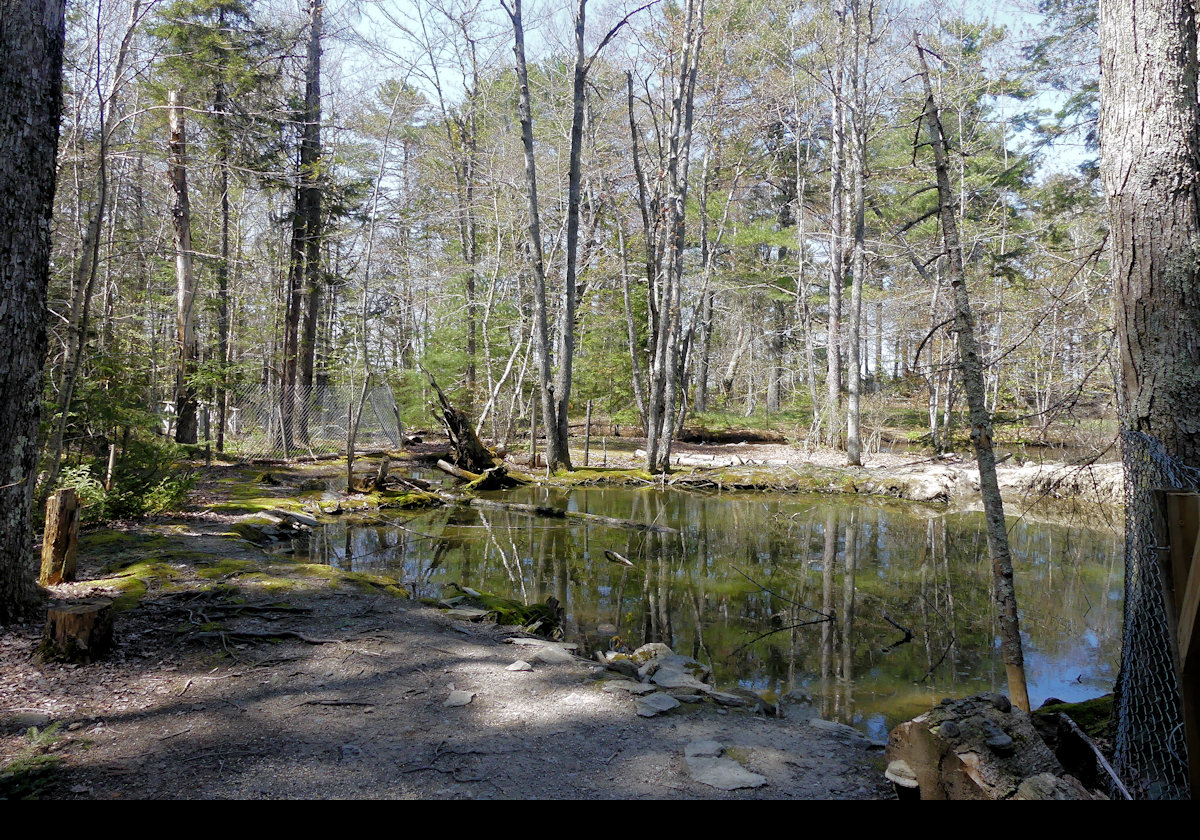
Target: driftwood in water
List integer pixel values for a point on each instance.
(60, 538)
(496, 478)
(78, 631)
(559, 513)
(467, 450)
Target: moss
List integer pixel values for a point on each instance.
(225, 567)
(1095, 716)
(257, 504)
(134, 580)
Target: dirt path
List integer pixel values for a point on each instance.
(191, 706)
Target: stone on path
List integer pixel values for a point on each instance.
(613, 686)
(553, 655)
(707, 767)
(458, 697)
(654, 704)
(519, 665)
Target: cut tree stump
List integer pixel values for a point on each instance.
(60, 537)
(78, 631)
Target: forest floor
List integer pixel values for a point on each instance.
(241, 674)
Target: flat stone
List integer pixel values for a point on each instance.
(703, 749)
(1000, 743)
(722, 773)
(724, 698)
(655, 704)
(670, 678)
(553, 655)
(949, 730)
(843, 732)
(613, 686)
(525, 641)
(459, 697)
(519, 665)
(624, 667)
(468, 613)
(682, 695)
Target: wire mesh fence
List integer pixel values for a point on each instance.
(1150, 750)
(260, 425)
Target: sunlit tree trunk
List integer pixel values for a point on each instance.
(971, 369)
(186, 424)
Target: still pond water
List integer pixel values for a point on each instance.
(803, 596)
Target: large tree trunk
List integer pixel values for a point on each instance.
(186, 426)
(971, 367)
(1150, 137)
(1151, 162)
(31, 41)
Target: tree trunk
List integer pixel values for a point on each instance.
(971, 368)
(1151, 161)
(31, 41)
(186, 429)
(310, 196)
(556, 449)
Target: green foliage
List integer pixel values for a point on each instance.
(32, 770)
(157, 490)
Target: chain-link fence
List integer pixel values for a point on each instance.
(1150, 750)
(259, 424)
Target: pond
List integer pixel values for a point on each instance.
(867, 611)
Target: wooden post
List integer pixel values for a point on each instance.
(604, 448)
(60, 537)
(1181, 599)
(587, 433)
(533, 424)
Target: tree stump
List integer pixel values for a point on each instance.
(60, 537)
(78, 631)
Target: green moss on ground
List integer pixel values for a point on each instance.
(33, 768)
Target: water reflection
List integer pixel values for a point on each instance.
(869, 611)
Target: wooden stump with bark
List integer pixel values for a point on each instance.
(60, 538)
(78, 631)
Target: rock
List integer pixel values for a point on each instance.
(552, 655)
(523, 641)
(655, 704)
(682, 695)
(459, 697)
(624, 667)
(703, 749)
(844, 733)
(519, 665)
(670, 678)
(722, 773)
(651, 651)
(613, 686)
(724, 698)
